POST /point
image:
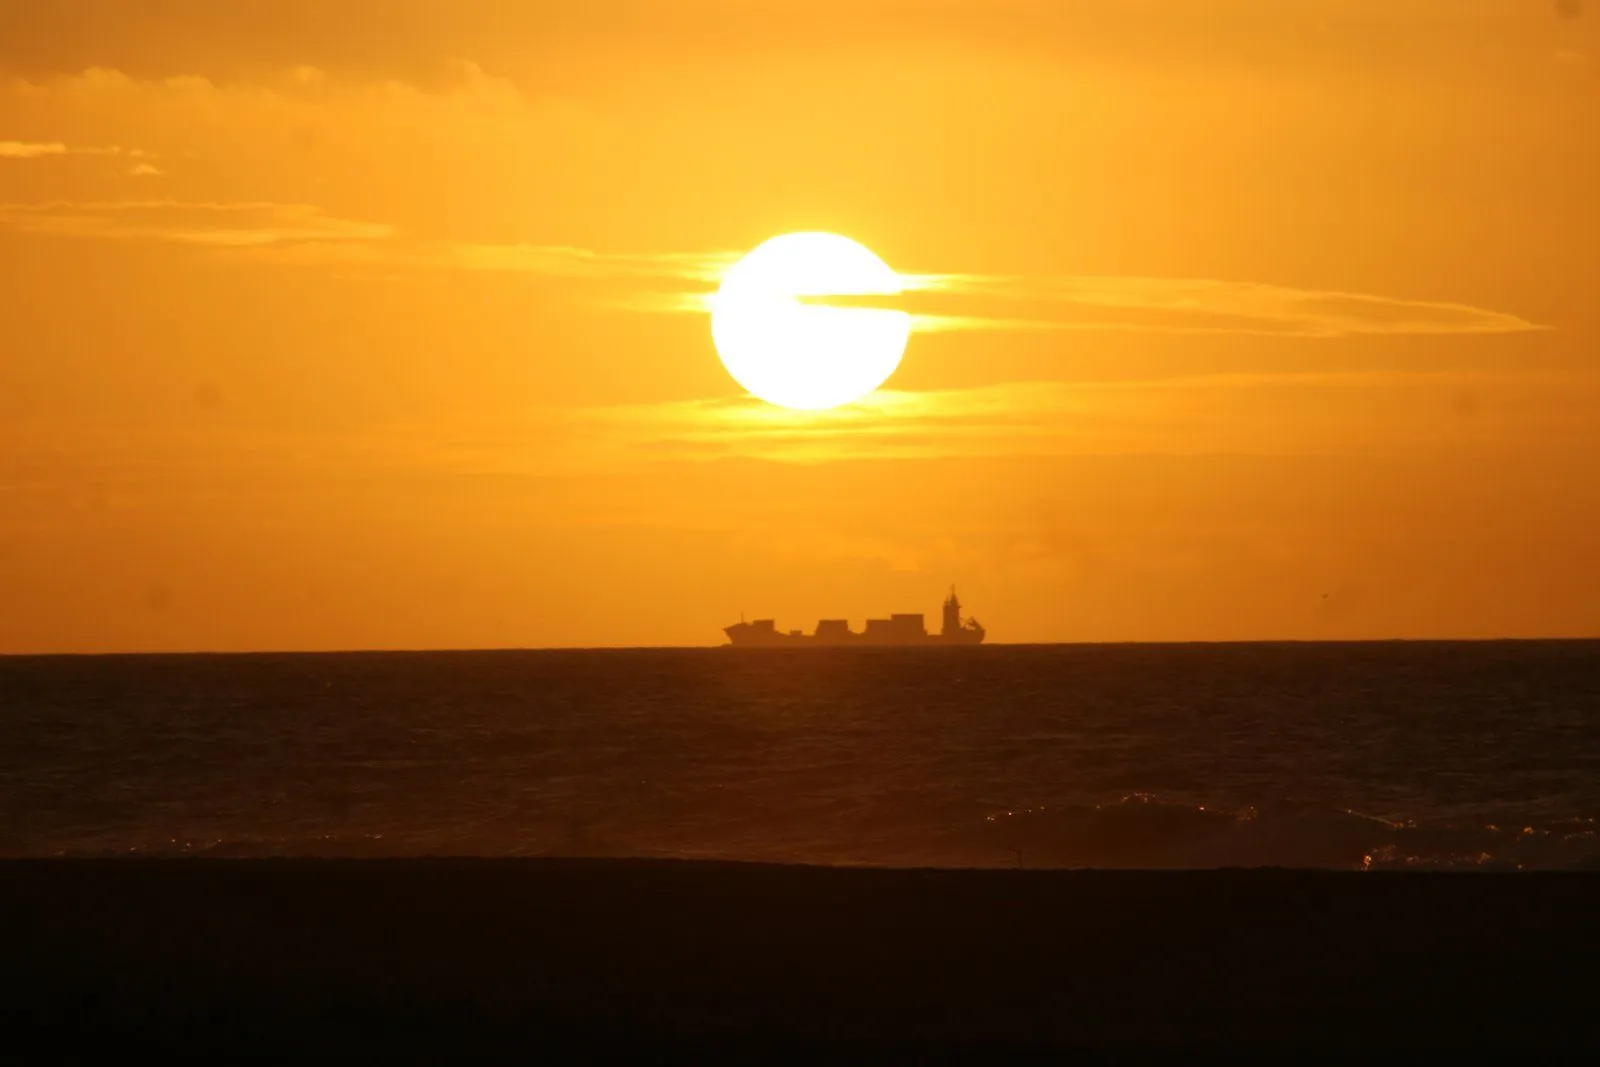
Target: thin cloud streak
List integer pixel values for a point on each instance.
(938, 303)
(243, 224)
(30, 150)
(556, 262)
(1367, 414)
(1231, 414)
(41, 149)
(1192, 306)
(943, 303)
(569, 262)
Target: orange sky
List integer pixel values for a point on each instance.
(1265, 319)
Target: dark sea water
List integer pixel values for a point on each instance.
(1469, 755)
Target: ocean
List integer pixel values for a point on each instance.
(1480, 755)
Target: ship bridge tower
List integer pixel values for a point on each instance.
(952, 615)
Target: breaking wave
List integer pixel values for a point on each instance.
(1137, 831)
(1143, 831)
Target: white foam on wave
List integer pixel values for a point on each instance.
(1144, 831)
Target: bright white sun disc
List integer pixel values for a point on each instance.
(808, 355)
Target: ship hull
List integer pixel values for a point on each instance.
(900, 630)
(781, 640)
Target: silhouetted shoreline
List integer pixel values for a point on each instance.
(464, 957)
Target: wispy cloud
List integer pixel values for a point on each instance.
(1184, 305)
(971, 302)
(214, 224)
(30, 150)
(1011, 418)
(569, 262)
(684, 282)
(306, 234)
(638, 273)
(1283, 413)
(41, 149)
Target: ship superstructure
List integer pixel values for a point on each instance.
(900, 629)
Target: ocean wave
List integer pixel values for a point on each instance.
(1143, 831)
(1137, 831)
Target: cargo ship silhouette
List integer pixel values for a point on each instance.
(895, 630)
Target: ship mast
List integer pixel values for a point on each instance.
(952, 615)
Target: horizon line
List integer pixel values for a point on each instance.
(1109, 643)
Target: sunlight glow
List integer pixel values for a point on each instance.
(789, 348)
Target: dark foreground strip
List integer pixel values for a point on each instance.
(238, 960)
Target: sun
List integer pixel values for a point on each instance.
(780, 339)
